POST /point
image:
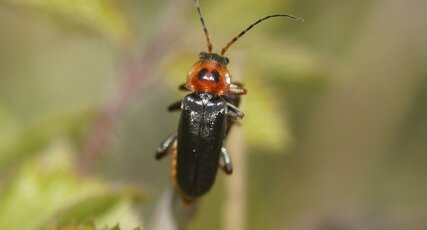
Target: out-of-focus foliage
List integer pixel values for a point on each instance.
(102, 16)
(47, 190)
(342, 94)
(265, 127)
(43, 188)
(20, 143)
(89, 226)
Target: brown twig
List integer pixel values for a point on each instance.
(137, 71)
(234, 210)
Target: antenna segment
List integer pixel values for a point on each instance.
(254, 24)
(208, 39)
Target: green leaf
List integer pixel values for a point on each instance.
(265, 122)
(105, 209)
(8, 124)
(101, 16)
(284, 61)
(28, 142)
(87, 226)
(49, 190)
(40, 188)
(270, 62)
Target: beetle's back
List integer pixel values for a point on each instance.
(201, 133)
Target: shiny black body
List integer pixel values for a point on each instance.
(204, 124)
(205, 121)
(201, 132)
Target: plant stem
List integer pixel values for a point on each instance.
(137, 71)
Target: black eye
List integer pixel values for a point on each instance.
(202, 73)
(215, 75)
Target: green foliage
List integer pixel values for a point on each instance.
(107, 208)
(266, 122)
(101, 16)
(343, 93)
(41, 187)
(47, 189)
(88, 226)
(22, 143)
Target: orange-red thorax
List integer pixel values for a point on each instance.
(208, 76)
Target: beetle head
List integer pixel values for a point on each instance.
(209, 75)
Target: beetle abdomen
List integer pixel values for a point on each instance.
(201, 132)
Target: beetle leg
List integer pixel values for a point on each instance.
(175, 106)
(236, 88)
(232, 99)
(225, 162)
(166, 146)
(234, 112)
(182, 87)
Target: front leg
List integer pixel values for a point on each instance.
(225, 162)
(175, 106)
(166, 146)
(237, 88)
(182, 87)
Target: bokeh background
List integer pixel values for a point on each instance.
(334, 137)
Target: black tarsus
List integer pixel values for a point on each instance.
(165, 148)
(225, 162)
(175, 106)
(234, 112)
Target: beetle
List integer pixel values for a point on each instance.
(207, 114)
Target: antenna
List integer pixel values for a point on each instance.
(208, 39)
(255, 23)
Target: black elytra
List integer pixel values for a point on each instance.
(201, 131)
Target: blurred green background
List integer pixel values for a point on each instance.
(334, 137)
